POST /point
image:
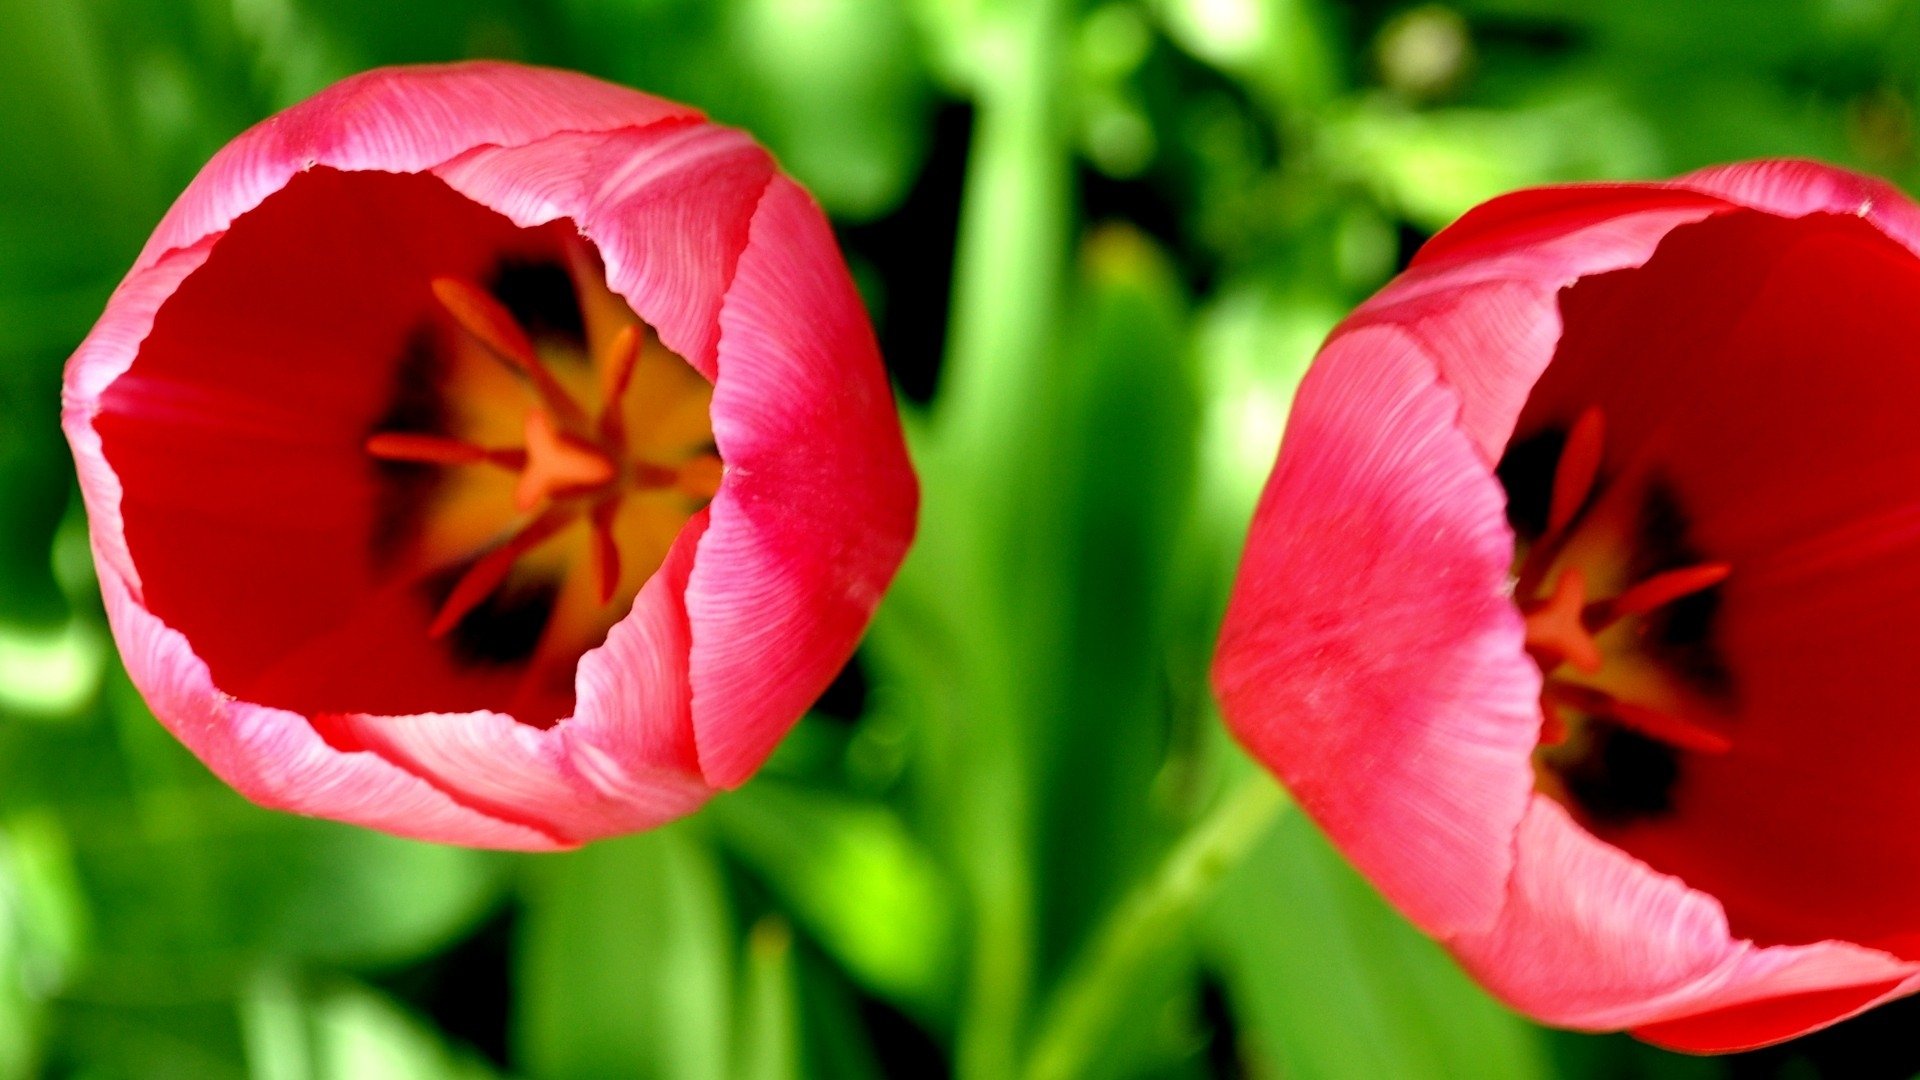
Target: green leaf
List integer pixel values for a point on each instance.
(1434, 166)
(194, 886)
(769, 1038)
(1285, 51)
(851, 873)
(213, 882)
(842, 96)
(835, 88)
(1106, 515)
(840, 1044)
(342, 1031)
(50, 674)
(625, 967)
(143, 1040)
(42, 935)
(1328, 983)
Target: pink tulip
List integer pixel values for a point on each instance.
(1580, 608)
(489, 455)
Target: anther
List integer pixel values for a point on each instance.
(1679, 732)
(492, 325)
(437, 450)
(1563, 626)
(491, 569)
(573, 465)
(617, 368)
(1655, 592)
(606, 551)
(1579, 465)
(1573, 480)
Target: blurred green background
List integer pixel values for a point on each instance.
(1100, 242)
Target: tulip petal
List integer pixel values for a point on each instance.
(1594, 938)
(667, 207)
(1792, 188)
(1323, 672)
(1775, 1011)
(1769, 364)
(1371, 654)
(398, 120)
(1482, 296)
(623, 762)
(248, 495)
(818, 503)
(276, 758)
(103, 357)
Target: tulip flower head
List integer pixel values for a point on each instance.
(490, 455)
(1578, 608)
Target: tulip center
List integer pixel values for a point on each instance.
(559, 451)
(1754, 382)
(573, 463)
(1605, 583)
(388, 452)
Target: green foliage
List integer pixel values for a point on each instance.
(1335, 985)
(628, 962)
(1162, 206)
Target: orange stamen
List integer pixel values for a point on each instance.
(1579, 465)
(1680, 732)
(700, 477)
(606, 551)
(1573, 479)
(491, 324)
(616, 373)
(1553, 726)
(573, 464)
(437, 450)
(1562, 628)
(1656, 592)
(491, 570)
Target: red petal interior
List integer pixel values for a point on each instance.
(257, 521)
(1767, 370)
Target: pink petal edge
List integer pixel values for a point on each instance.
(1371, 654)
(623, 762)
(1485, 305)
(277, 758)
(668, 208)
(102, 357)
(1794, 188)
(819, 503)
(405, 119)
(1594, 938)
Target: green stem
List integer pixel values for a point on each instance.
(1009, 275)
(1084, 1011)
(1011, 251)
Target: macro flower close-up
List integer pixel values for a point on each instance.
(490, 455)
(1578, 609)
